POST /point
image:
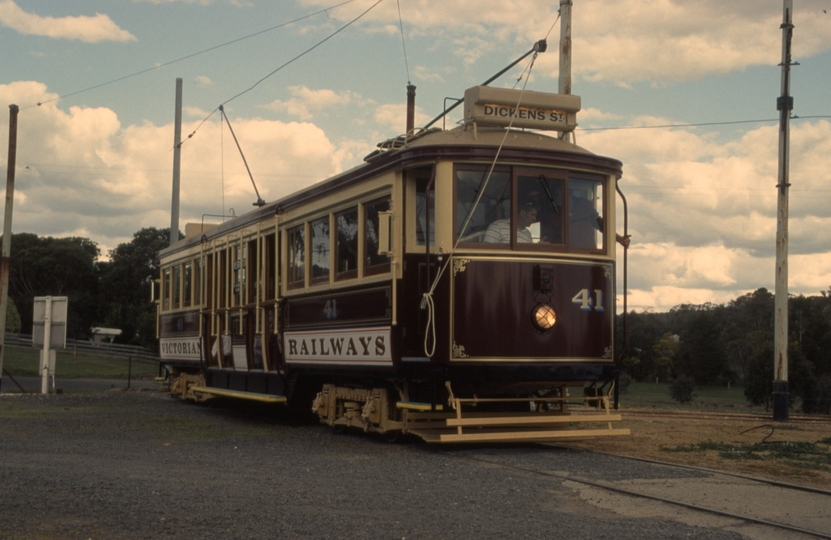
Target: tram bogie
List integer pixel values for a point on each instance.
(459, 285)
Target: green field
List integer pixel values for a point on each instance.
(24, 362)
(713, 398)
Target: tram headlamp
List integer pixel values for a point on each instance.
(543, 317)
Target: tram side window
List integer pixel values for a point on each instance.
(186, 288)
(423, 200)
(490, 219)
(177, 285)
(585, 214)
(166, 289)
(197, 282)
(374, 263)
(545, 195)
(320, 250)
(346, 242)
(296, 256)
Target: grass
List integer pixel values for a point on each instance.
(805, 455)
(705, 398)
(25, 362)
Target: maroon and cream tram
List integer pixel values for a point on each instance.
(458, 285)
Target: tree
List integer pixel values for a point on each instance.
(701, 355)
(125, 285)
(46, 266)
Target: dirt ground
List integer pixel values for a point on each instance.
(721, 441)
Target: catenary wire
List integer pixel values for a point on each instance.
(699, 124)
(304, 53)
(403, 43)
(186, 57)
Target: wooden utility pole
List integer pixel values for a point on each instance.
(7, 231)
(784, 104)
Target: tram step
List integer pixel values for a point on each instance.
(416, 406)
(253, 396)
(537, 419)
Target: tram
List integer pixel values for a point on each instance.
(459, 285)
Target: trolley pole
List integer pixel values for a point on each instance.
(5, 266)
(177, 165)
(784, 104)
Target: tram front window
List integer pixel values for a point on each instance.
(491, 213)
(585, 214)
(524, 208)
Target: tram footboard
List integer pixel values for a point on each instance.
(571, 419)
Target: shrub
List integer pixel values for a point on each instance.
(682, 388)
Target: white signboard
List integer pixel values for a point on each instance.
(189, 348)
(52, 310)
(358, 347)
(536, 110)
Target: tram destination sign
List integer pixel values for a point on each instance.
(488, 106)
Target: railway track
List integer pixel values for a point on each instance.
(741, 499)
(703, 415)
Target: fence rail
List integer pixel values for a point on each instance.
(88, 347)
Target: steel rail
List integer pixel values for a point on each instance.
(691, 506)
(776, 483)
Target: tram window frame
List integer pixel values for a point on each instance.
(348, 245)
(423, 200)
(296, 258)
(478, 232)
(187, 284)
(370, 237)
(518, 193)
(166, 289)
(177, 287)
(197, 282)
(598, 228)
(320, 234)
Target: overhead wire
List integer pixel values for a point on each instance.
(304, 53)
(700, 124)
(186, 57)
(403, 43)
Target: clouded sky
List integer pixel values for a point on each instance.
(98, 161)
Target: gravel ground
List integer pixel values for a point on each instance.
(139, 464)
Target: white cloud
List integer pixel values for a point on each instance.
(703, 213)
(81, 170)
(617, 40)
(81, 27)
(306, 102)
(203, 80)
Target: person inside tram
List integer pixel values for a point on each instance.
(500, 230)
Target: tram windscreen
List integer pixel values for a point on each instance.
(493, 210)
(585, 215)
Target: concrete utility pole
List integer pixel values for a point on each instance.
(7, 230)
(784, 104)
(177, 165)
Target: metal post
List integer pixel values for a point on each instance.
(784, 104)
(177, 159)
(47, 343)
(7, 230)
